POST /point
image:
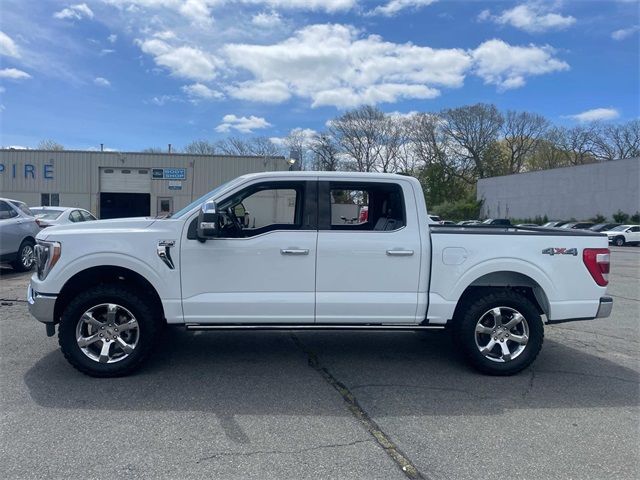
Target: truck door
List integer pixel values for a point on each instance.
(262, 273)
(368, 266)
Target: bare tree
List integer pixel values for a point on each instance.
(393, 139)
(613, 142)
(49, 145)
(522, 132)
(297, 145)
(427, 140)
(358, 133)
(576, 143)
(326, 154)
(200, 147)
(152, 150)
(474, 129)
(260, 146)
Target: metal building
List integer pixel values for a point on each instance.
(579, 192)
(120, 184)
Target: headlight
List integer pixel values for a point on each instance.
(47, 255)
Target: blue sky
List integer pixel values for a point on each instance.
(139, 73)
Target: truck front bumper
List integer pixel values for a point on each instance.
(41, 305)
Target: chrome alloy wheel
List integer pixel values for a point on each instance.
(27, 257)
(502, 334)
(107, 333)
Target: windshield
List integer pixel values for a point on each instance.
(46, 214)
(201, 200)
(22, 207)
(619, 228)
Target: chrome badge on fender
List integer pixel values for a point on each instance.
(560, 251)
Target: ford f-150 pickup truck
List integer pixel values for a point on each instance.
(290, 250)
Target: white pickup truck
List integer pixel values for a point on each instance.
(299, 250)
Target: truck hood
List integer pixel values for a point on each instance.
(97, 226)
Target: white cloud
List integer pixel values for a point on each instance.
(14, 74)
(595, 114)
(625, 32)
(101, 82)
(182, 61)
(307, 134)
(533, 18)
(198, 91)
(267, 20)
(112, 38)
(106, 51)
(8, 46)
(507, 66)
(271, 91)
(242, 124)
(392, 7)
(162, 100)
(74, 12)
(326, 5)
(335, 65)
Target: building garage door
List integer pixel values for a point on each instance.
(125, 192)
(125, 180)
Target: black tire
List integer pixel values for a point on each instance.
(18, 264)
(475, 309)
(619, 241)
(149, 326)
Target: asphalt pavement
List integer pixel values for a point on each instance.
(297, 405)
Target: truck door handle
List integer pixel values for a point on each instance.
(400, 253)
(294, 251)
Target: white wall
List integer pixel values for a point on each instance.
(579, 192)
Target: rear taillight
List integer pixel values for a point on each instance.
(597, 262)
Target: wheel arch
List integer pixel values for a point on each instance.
(505, 279)
(106, 274)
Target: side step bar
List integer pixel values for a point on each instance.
(313, 326)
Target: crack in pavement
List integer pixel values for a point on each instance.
(399, 458)
(582, 374)
(282, 452)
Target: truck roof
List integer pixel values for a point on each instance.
(323, 174)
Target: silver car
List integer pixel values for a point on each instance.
(51, 216)
(18, 230)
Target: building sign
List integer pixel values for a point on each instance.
(28, 171)
(169, 173)
(175, 185)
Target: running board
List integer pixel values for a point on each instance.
(313, 326)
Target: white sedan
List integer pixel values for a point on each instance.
(50, 216)
(623, 234)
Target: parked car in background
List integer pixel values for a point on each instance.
(505, 222)
(470, 222)
(554, 224)
(447, 222)
(434, 219)
(577, 225)
(50, 216)
(623, 234)
(18, 230)
(527, 225)
(604, 227)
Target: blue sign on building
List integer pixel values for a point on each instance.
(169, 173)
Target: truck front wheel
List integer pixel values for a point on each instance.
(107, 331)
(500, 333)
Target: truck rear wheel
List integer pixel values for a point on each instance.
(500, 332)
(107, 331)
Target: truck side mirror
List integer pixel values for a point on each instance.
(209, 221)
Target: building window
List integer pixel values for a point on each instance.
(50, 199)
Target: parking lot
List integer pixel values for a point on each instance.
(326, 405)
